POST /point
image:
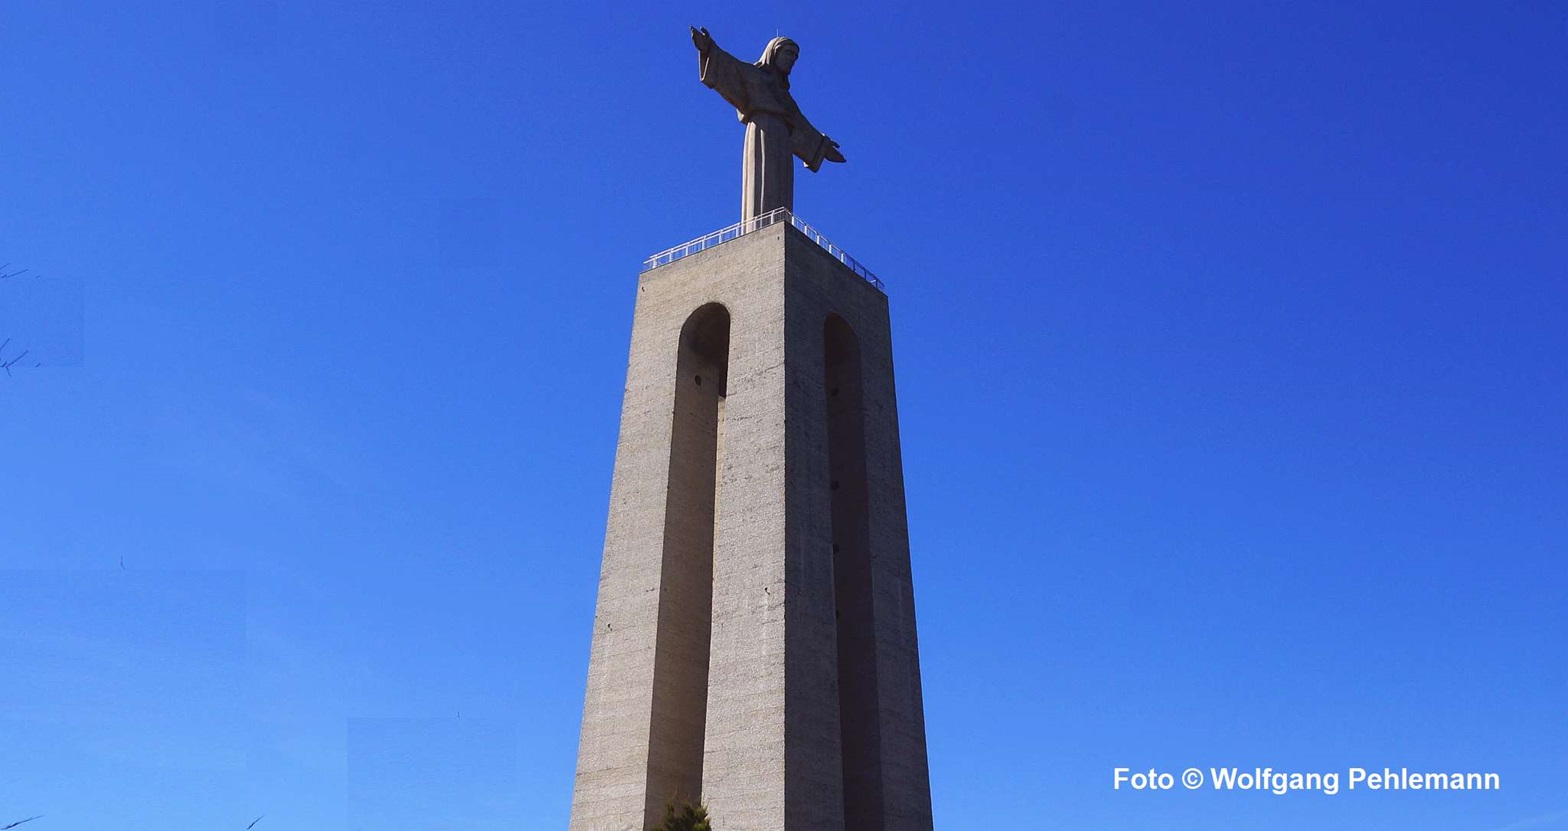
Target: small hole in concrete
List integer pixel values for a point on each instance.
(834, 392)
(699, 380)
(835, 486)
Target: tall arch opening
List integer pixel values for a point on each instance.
(859, 711)
(680, 671)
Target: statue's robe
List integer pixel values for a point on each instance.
(775, 129)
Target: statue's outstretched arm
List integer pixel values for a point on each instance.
(720, 70)
(707, 49)
(808, 143)
(701, 39)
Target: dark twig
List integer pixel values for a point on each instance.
(7, 364)
(253, 823)
(7, 367)
(19, 822)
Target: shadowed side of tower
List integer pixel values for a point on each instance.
(756, 580)
(842, 337)
(854, 616)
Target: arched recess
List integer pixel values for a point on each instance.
(859, 710)
(680, 670)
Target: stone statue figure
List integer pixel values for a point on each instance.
(775, 128)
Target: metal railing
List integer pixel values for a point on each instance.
(757, 223)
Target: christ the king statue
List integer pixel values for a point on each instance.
(775, 128)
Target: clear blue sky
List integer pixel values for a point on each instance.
(1231, 358)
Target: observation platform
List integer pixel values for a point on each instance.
(740, 229)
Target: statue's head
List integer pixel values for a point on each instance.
(780, 54)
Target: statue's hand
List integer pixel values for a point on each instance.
(832, 154)
(701, 39)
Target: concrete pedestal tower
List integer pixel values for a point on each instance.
(754, 644)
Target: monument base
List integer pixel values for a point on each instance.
(754, 643)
